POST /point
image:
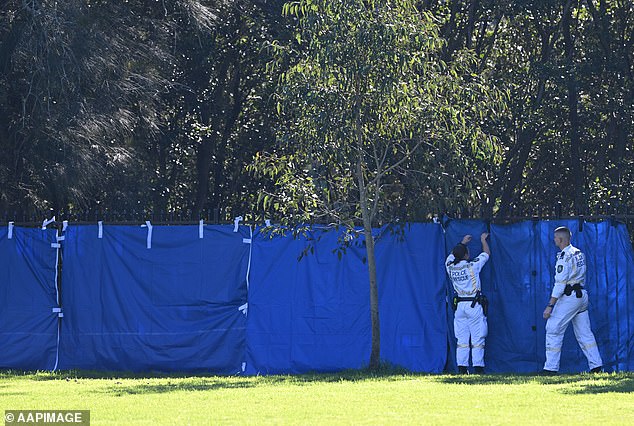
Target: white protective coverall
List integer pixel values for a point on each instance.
(570, 269)
(468, 321)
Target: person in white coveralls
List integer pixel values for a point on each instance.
(569, 303)
(470, 323)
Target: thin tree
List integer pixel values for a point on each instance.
(367, 107)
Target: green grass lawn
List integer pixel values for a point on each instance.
(348, 397)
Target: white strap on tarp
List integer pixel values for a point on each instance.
(10, 234)
(201, 228)
(64, 225)
(46, 222)
(245, 308)
(236, 223)
(249, 263)
(57, 268)
(59, 326)
(100, 224)
(149, 233)
(57, 310)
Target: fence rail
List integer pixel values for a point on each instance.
(216, 217)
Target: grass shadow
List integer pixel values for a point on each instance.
(618, 384)
(203, 383)
(581, 383)
(384, 372)
(120, 388)
(145, 383)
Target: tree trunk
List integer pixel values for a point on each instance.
(203, 167)
(617, 124)
(511, 172)
(375, 354)
(516, 172)
(470, 28)
(209, 114)
(232, 115)
(573, 115)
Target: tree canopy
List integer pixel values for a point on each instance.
(144, 106)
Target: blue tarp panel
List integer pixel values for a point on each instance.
(28, 327)
(173, 307)
(314, 315)
(310, 314)
(618, 284)
(518, 280)
(411, 283)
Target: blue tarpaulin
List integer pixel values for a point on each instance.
(310, 314)
(28, 294)
(314, 314)
(165, 299)
(171, 307)
(412, 297)
(518, 280)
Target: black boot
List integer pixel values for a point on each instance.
(548, 373)
(478, 370)
(598, 369)
(462, 370)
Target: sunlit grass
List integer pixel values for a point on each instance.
(351, 397)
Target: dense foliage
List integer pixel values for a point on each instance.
(173, 105)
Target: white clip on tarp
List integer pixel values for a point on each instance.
(149, 234)
(60, 238)
(64, 225)
(244, 366)
(267, 222)
(244, 308)
(10, 234)
(59, 312)
(201, 228)
(236, 223)
(55, 245)
(45, 223)
(100, 224)
(246, 240)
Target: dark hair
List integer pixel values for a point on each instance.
(459, 252)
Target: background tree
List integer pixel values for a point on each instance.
(74, 89)
(567, 67)
(366, 109)
(130, 106)
(145, 107)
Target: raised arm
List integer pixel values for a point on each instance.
(485, 245)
